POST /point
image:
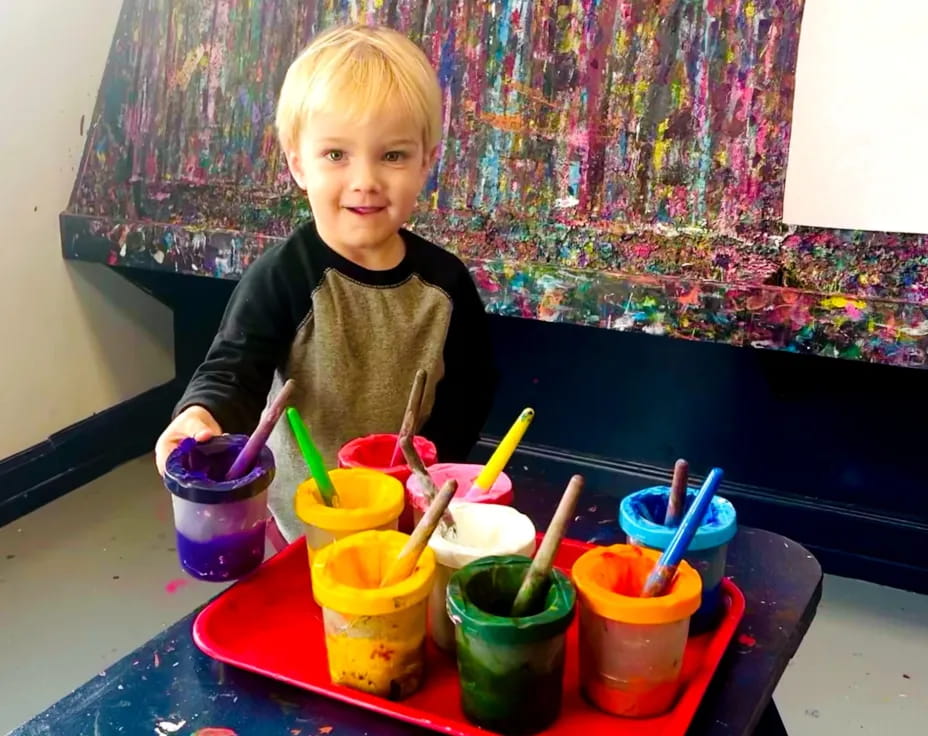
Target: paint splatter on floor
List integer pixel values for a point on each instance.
(325, 730)
(174, 585)
(168, 727)
(747, 640)
(212, 731)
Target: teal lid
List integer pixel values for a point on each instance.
(641, 516)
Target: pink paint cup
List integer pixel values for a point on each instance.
(375, 452)
(465, 475)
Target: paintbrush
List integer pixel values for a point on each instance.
(503, 452)
(406, 561)
(428, 485)
(676, 501)
(269, 417)
(661, 577)
(312, 456)
(411, 415)
(534, 584)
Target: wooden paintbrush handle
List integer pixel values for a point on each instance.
(408, 558)
(537, 575)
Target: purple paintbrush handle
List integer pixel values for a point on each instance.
(269, 417)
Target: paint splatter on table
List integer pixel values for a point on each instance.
(615, 163)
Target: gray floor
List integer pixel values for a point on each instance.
(91, 576)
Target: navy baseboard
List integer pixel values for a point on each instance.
(847, 540)
(84, 451)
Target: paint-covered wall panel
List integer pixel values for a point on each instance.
(618, 163)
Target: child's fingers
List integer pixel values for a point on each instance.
(204, 434)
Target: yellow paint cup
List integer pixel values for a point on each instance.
(374, 637)
(366, 499)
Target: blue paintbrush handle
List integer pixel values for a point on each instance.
(662, 574)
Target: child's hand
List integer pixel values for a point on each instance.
(194, 421)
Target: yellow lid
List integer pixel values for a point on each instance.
(346, 575)
(609, 581)
(366, 499)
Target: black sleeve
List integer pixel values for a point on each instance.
(464, 395)
(254, 339)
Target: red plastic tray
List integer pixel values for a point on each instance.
(269, 623)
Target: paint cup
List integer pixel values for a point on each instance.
(375, 452)
(366, 500)
(631, 648)
(641, 517)
(465, 474)
(220, 523)
(481, 530)
(511, 669)
(374, 637)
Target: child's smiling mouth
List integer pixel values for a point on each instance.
(365, 210)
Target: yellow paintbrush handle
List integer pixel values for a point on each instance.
(504, 451)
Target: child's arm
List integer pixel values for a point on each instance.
(230, 388)
(465, 394)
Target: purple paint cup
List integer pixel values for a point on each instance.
(220, 523)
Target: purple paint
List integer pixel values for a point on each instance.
(223, 558)
(220, 523)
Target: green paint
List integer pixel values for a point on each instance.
(511, 669)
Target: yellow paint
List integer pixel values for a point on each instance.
(660, 145)
(504, 451)
(749, 9)
(374, 636)
(840, 302)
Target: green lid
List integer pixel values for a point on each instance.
(481, 594)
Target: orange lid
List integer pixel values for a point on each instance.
(609, 581)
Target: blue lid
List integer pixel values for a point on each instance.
(195, 471)
(641, 516)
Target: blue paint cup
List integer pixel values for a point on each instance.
(641, 516)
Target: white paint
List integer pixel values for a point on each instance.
(858, 152)
(85, 338)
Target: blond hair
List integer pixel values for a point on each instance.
(358, 71)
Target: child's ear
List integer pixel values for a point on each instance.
(296, 169)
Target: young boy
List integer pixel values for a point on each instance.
(351, 305)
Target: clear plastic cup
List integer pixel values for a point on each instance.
(374, 637)
(220, 524)
(641, 516)
(511, 670)
(631, 648)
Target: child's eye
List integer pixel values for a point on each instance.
(395, 156)
(335, 155)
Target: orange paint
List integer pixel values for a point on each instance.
(210, 731)
(635, 701)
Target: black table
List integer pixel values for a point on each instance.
(168, 681)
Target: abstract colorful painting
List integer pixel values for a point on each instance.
(615, 163)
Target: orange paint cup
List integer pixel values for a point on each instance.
(631, 648)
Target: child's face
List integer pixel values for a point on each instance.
(362, 179)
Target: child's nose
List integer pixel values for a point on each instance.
(364, 177)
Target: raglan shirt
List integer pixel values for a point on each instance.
(352, 340)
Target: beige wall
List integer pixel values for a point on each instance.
(76, 338)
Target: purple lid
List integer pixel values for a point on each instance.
(195, 471)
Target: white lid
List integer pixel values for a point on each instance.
(483, 529)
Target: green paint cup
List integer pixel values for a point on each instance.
(511, 669)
